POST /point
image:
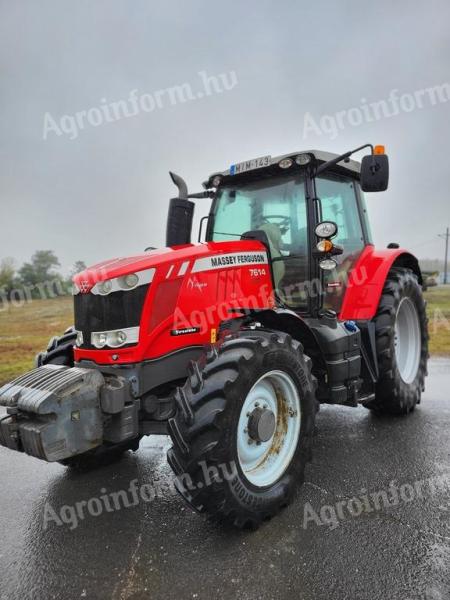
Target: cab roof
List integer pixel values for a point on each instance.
(351, 168)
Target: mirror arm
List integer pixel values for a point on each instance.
(338, 159)
(207, 194)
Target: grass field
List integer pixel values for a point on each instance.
(25, 330)
(438, 303)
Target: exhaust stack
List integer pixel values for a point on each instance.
(181, 213)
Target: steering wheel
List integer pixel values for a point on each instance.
(283, 222)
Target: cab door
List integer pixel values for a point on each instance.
(339, 202)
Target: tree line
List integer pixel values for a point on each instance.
(38, 277)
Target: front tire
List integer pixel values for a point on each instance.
(243, 430)
(59, 350)
(402, 345)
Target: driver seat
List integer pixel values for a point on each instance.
(273, 233)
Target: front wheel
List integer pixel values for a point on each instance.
(402, 345)
(243, 430)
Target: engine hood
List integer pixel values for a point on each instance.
(155, 259)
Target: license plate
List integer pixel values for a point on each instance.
(248, 165)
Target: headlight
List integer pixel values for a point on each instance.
(123, 283)
(79, 341)
(104, 287)
(303, 159)
(115, 338)
(129, 281)
(328, 264)
(285, 163)
(326, 229)
(98, 339)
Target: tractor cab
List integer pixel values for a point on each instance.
(280, 201)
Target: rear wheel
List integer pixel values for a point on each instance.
(60, 352)
(243, 430)
(402, 344)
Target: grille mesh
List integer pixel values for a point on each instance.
(118, 310)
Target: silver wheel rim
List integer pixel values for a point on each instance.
(264, 462)
(407, 340)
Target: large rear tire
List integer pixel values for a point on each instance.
(401, 327)
(243, 430)
(60, 352)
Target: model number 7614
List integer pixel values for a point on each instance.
(257, 272)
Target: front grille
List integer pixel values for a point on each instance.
(117, 310)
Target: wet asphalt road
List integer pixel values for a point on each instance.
(161, 549)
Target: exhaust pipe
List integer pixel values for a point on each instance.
(180, 216)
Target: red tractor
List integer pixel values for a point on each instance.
(230, 344)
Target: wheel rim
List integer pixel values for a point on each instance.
(264, 462)
(407, 340)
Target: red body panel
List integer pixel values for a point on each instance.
(195, 286)
(366, 281)
(190, 290)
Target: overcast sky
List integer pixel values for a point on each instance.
(105, 192)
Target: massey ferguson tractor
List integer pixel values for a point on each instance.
(229, 345)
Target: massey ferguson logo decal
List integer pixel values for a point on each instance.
(229, 260)
(84, 286)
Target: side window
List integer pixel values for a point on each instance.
(338, 201)
(339, 204)
(365, 214)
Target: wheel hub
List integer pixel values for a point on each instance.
(269, 428)
(261, 424)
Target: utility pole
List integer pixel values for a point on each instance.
(445, 236)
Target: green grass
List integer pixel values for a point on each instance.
(25, 330)
(438, 305)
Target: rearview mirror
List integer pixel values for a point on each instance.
(374, 173)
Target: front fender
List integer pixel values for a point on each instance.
(367, 278)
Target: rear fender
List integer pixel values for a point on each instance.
(367, 278)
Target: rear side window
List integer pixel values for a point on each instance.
(338, 202)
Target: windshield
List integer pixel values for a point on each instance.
(278, 202)
(276, 206)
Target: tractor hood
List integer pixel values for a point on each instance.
(175, 261)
